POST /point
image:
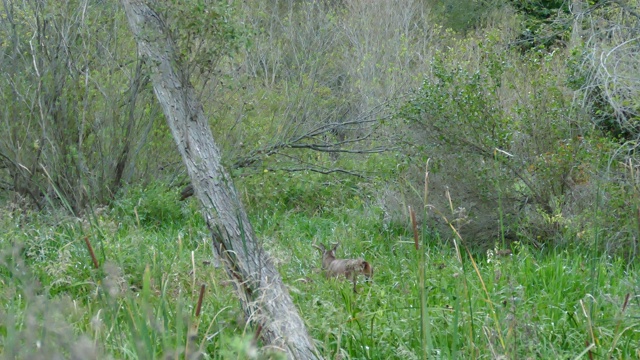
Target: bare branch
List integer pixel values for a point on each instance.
(625, 8)
(319, 171)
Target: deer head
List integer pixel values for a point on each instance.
(328, 256)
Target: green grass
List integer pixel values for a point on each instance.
(153, 254)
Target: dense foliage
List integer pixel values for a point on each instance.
(327, 113)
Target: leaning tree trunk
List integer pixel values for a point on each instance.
(263, 295)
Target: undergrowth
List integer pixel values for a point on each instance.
(141, 301)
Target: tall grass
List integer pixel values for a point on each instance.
(142, 301)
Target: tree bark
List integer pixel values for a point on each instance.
(263, 295)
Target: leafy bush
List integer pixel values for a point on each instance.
(504, 140)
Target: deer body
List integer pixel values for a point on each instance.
(350, 268)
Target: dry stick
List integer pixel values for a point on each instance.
(489, 302)
(459, 256)
(193, 271)
(205, 339)
(199, 306)
(484, 287)
(455, 242)
(485, 330)
(475, 267)
(93, 255)
(635, 245)
(585, 351)
(618, 334)
(135, 211)
(594, 341)
(426, 182)
(192, 335)
(415, 228)
(421, 283)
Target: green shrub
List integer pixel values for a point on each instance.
(504, 139)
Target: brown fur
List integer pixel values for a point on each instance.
(350, 268)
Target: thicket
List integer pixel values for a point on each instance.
(527, 110)
(525, 143)
(531, 140)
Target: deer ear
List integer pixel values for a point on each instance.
(335, 246)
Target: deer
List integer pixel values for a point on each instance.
(350, 268)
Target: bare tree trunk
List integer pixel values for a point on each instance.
(263, 296)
